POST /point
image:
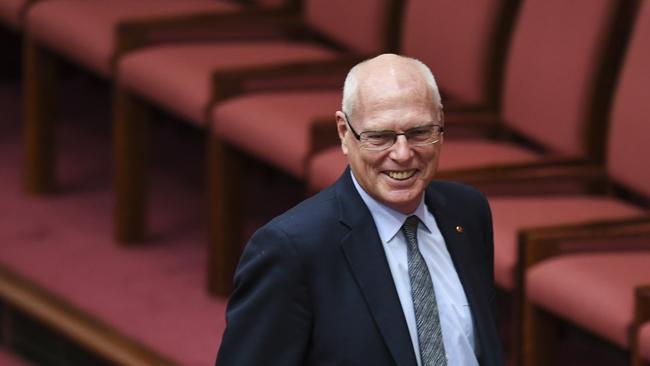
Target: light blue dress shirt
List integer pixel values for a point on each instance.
(453, 308)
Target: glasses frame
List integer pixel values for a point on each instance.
(440, 124)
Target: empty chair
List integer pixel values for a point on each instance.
(558, 74)
(623, 169)
(592, 287)
(85, 33)
(460, 41)
(623, 173)
(188, 79)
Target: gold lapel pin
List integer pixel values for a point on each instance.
(459, 229)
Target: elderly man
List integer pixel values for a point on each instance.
(385, 267)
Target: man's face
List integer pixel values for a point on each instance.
(398, 175)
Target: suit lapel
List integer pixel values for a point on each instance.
(363, 250)
(461, 252)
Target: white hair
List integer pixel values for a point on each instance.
(351, 85)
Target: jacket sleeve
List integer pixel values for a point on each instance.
(268, 316)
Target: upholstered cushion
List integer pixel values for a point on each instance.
(455, 39)
(467, 154)
(325, 168)
(11, 12)
(595, 291)
(628, 142)
(513, 214)
(84, 30)
(644, 342)
(178, 77)
(359, 25)
(275, 126)
(556, 48)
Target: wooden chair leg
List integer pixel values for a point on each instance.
(539, 330)
(641, 316)
(40, 69)
(130, 136)
(224, 167)
(10, 61)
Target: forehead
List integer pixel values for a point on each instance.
(395, 107)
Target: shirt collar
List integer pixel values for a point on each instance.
(388, 221)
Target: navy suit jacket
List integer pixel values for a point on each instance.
(313, 286)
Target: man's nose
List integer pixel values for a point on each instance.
(401, 150)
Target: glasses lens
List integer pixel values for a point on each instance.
(421, 135)
(418, 136)
(377, 140)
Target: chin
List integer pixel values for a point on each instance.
(404, 204)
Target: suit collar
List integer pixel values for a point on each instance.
(366, 257)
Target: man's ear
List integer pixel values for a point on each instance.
(342, 128)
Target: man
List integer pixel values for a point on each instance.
(385, 267)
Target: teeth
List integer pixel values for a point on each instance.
(401, 175)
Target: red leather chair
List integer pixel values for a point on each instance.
(623, 173)
(559, 70)
(585, 275)
(278, 127)
(85, 33)
(188, 79)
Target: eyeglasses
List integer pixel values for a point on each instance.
(384, 139)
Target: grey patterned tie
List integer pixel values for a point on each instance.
(432, 349)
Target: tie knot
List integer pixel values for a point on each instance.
(410, 228)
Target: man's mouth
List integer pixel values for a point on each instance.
(401, 175)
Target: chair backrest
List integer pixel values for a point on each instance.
(629, 136)
(363, 26)
(558, 70)
(463, 42)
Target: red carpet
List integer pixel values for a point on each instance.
(155, 292)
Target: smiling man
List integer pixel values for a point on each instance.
(385, 267)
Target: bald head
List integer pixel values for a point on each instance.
(383, 76)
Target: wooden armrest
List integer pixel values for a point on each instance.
(292, 75)
(538, 244)
(642, 304)
(549, 169)
(135, 34)
(322, 135)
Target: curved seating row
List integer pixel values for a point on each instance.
(536, 92)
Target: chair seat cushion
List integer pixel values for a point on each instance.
(595, 290)
(325, 168)
(11, 12)
(84, 30)
(644, 342)
(510, 215)
(468, 154)
(179, 77)
(275, 126)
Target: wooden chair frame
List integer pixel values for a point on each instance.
(41, 69)
(641, 316)
(536, 327)
(224, 217)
